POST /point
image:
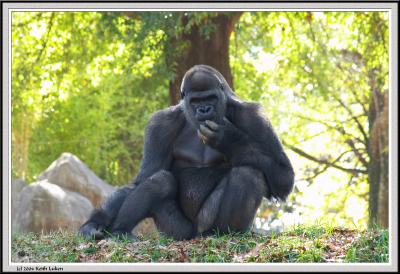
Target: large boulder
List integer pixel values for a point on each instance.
(71, 173)
(16, 186)
(44, 206)
(64, 196)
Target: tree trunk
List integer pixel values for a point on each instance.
(21, 136)
(378, 169)
(213, 51)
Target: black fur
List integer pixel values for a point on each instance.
(207, 163)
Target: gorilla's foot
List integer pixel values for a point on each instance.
(91, 231)
(207, 233)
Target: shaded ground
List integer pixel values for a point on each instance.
(311, 244)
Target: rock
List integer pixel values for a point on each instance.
(146, 227)
(46, 207)
(16, 186)
(264, 232)
(71, 173)
(64, 197)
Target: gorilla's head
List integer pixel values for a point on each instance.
(204, 92)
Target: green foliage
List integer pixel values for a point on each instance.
(88, 93)
(361, 250)
(87, 83)
(300, 245)
(312, 72)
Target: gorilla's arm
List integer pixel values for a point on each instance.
(249, 140)
(161, 131)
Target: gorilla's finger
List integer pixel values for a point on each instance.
(206, 132)
(226, 121)
(201, 136)
(212, 125)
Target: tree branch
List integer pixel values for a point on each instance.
(325, 167)
(325, 162)
(357, 153)
(50, 25)
(357, 58)
(338, 127)
(360, 127)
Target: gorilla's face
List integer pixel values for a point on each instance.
(204, 98)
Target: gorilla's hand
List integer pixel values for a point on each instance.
(224, 138)
(211, 133)
(91, 230)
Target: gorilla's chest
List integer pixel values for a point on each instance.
(189, 151)
(198, 169)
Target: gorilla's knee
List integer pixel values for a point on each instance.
(246, 187)
(245, 178)
(245, 172)
(162, 183)
(163, 175)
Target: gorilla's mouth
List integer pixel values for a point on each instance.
(205, 117)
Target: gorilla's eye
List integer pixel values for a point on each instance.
(211, 99)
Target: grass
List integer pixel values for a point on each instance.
(300, 245)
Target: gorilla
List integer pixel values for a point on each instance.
(207, 164)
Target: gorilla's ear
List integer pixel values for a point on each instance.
(182, 90)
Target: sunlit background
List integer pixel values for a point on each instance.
(87, 83)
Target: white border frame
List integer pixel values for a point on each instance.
(392, 8)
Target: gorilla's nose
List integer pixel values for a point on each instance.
(204, 110)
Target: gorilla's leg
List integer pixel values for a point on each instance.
(242, 197)
(235, 201)
(209, 211)
(171, 221)
(155, 197)
(101, 218)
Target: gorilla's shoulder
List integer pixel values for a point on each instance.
(166, 116)
(244, 108)
(251, 106)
